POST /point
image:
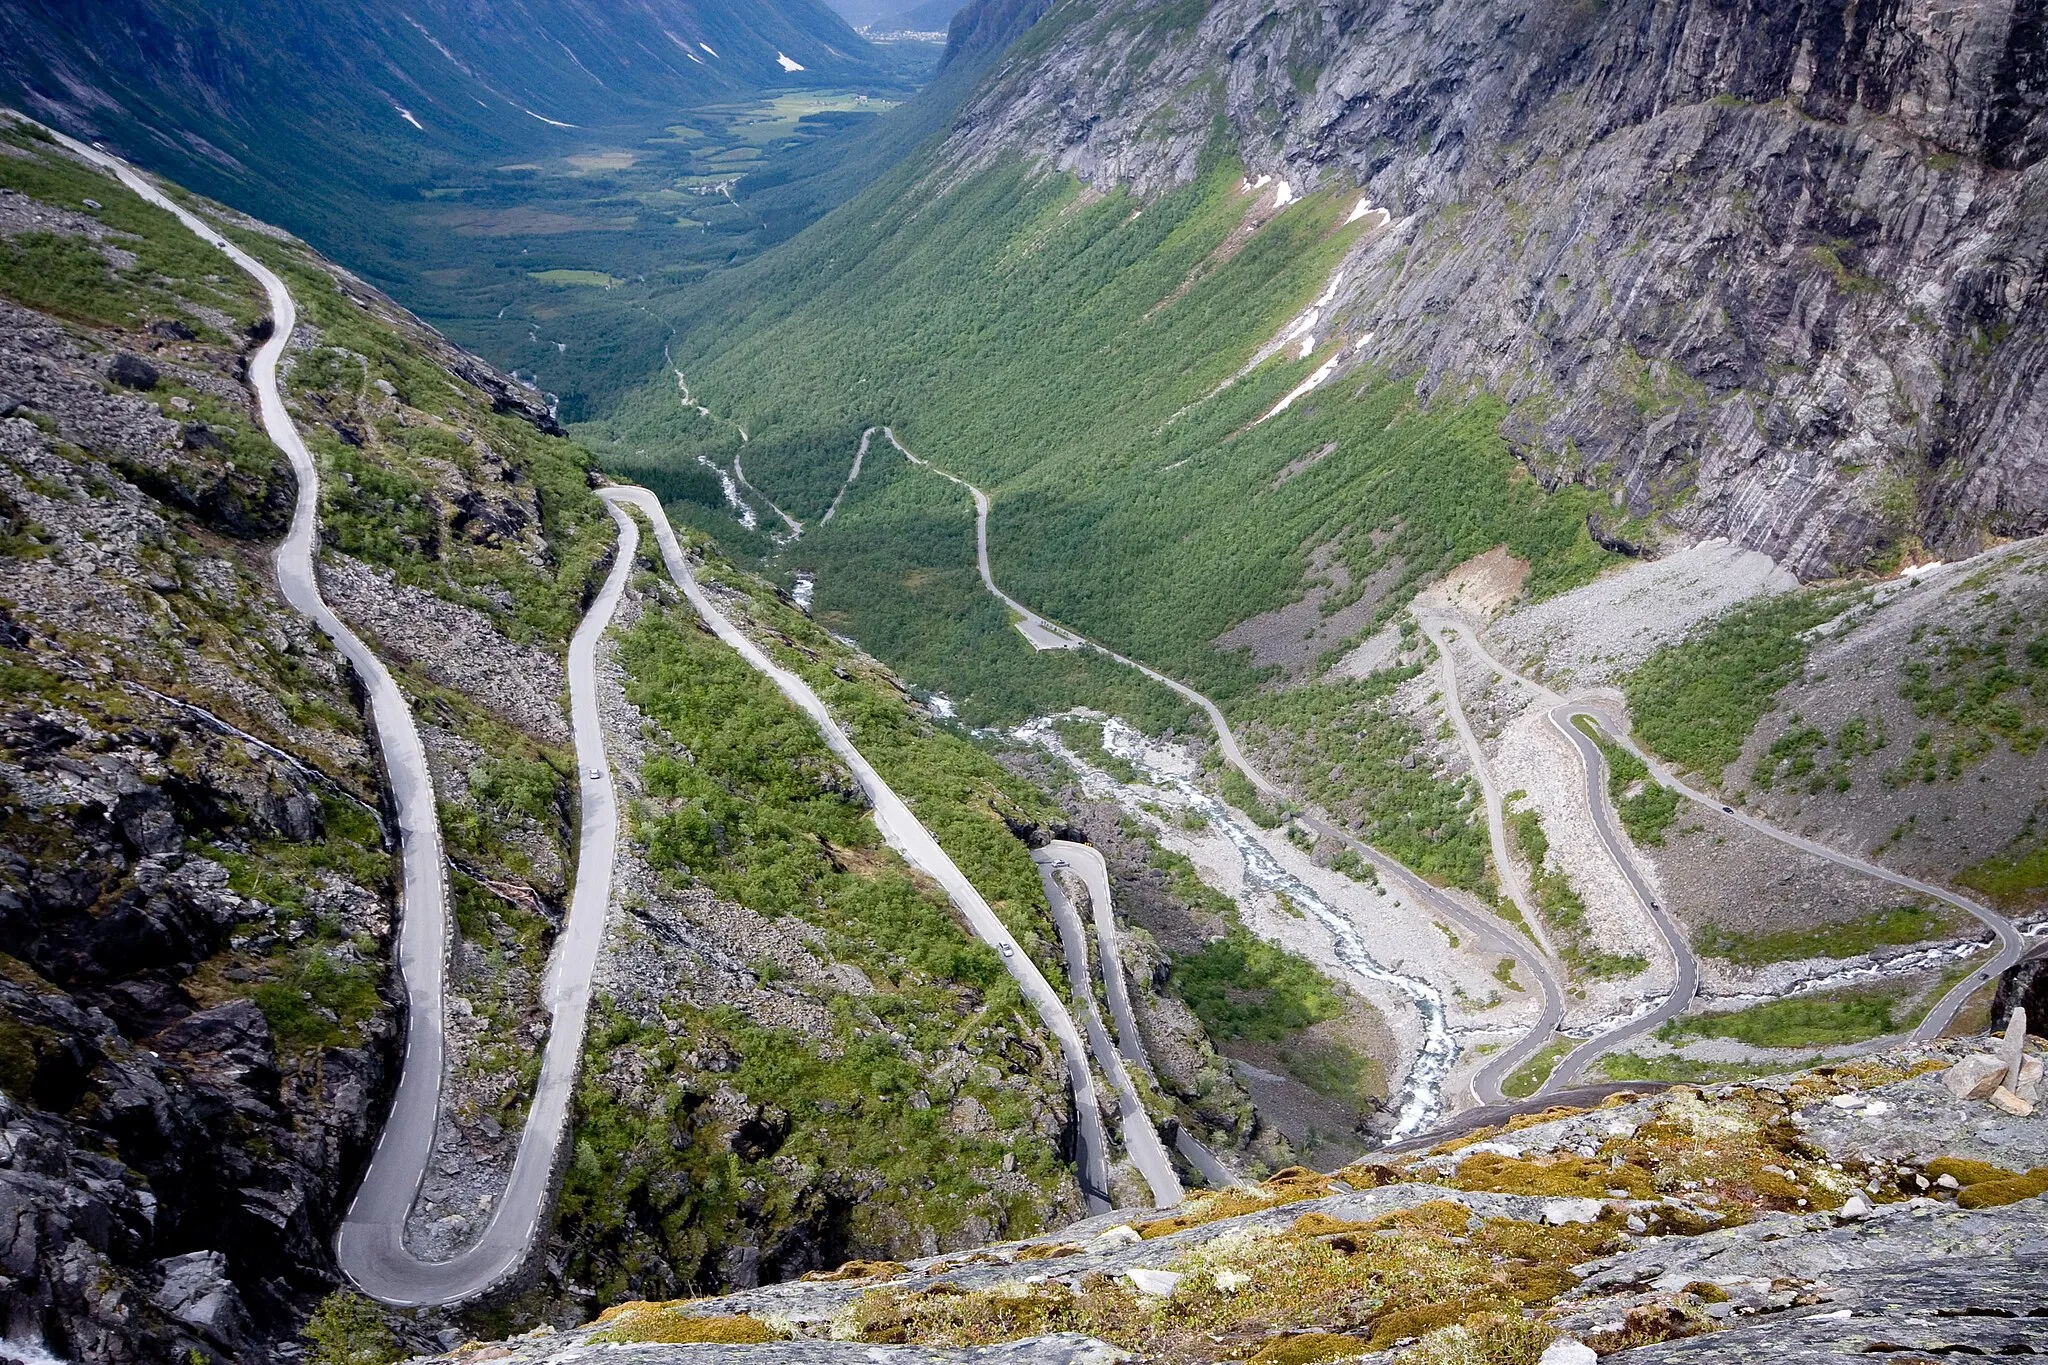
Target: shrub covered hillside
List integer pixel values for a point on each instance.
(196, 1015)
(799, 1054)
(1085, 357)
(1907, 716)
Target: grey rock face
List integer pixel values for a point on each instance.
(1966, 1306)
(196, 1290)
(1773, 270)
(132, 372)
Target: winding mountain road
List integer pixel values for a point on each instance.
(371, 1246)
(2012, 945)
(1482, 772)
(1094, 873)
(904, 833)
(1141, 1139)
(1605, 712)
(1685, 982)
(1487, 1080)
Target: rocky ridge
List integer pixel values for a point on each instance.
(1826, 1214)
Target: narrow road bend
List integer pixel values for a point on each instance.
(1489, 791)
(904, 833)
(370, 1246)
(1141, 1139)
(1685, 976)
(1094, 873)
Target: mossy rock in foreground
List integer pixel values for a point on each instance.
(670, 1324)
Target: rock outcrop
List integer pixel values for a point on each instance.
(1819, 1215)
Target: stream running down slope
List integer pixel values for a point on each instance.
(908, 836)
(1420, 1100)
(1424, 1102)
(370, 1247)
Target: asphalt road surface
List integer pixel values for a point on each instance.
(899, 827)
(370, 1247)
(1496, 819)
(1686, 968)
(1129, 1041)
(1141, 1139)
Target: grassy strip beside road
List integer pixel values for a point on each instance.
(1647, 811)
(1846, 938)
(1823, 1019)
(1529, 1077)
(1633, 1066)
(1559, 902)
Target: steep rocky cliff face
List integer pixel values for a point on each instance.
(1772, 271)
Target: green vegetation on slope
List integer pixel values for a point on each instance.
(1819, 1020)
(1800, 756)
(2016, 878)
(1242, 987)
(969, 802)
(1646, 807)
(1528, 1078)
(1559, 902)
(1695, 702)
(145, 267)
(1344, 746)
(1134, 498)
(747, 801)
(743, 799)
(1845, 938)
(897, 573)
(1972, 686)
